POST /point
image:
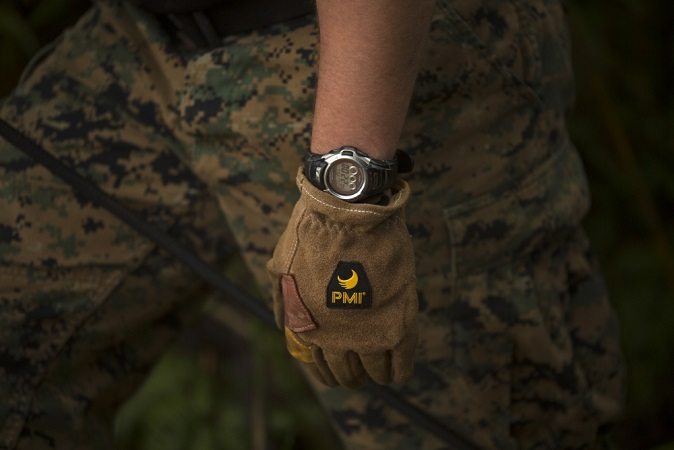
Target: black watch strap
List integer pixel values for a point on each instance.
(314, 165)
(405, 162)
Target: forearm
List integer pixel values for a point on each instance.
(369, 58)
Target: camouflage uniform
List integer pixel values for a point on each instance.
(518, 346)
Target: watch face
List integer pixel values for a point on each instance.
(345, 177)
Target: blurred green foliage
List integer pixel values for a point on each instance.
(231, 390)
(245, 394)
(624, 59)
(228, 384)
(27, 25)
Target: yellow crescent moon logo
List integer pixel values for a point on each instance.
(350, 282)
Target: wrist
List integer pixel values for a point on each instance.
(383, 149)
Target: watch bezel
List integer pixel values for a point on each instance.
(354, 156)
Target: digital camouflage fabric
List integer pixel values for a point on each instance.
(518, 345)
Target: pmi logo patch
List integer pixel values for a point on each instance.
(349, 287)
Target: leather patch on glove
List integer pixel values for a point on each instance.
(297, 316)
(349, 287)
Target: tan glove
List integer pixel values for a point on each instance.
(344, 287)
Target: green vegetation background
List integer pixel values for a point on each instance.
(229, 387)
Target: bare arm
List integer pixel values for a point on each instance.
(369, 52)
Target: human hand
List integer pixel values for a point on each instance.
(345, 287)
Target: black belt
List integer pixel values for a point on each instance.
(207, 22)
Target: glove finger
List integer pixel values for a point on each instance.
(347, 368)
(312, 369)
(378, 366)
(402, 359)
(311, 358)
(323, 370)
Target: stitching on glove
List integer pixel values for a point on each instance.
(343, 209)
(326, 223)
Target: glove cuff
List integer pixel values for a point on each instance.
(340, 211)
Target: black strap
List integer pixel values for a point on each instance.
(211, 275)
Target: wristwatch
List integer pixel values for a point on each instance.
(350, 174)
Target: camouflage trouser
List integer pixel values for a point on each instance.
(518, 345)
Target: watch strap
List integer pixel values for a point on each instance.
(314, 165)
(405, 162)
